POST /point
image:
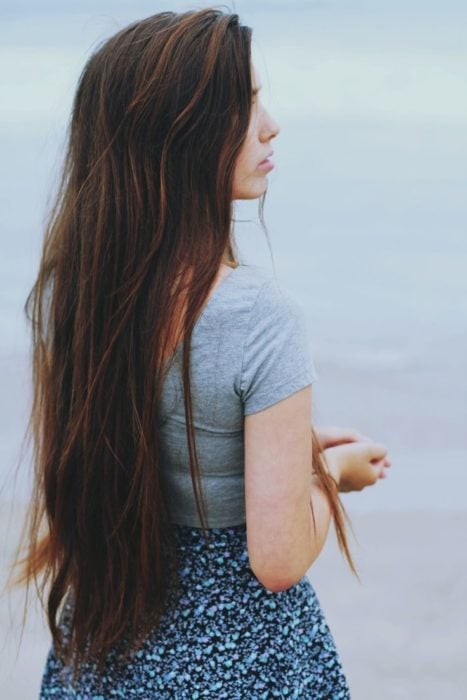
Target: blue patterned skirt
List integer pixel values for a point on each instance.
(227, 637)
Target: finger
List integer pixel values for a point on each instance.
(352, 438)
(364, 438)
(376, 451)
(343, 435)
(380, 464)
(355, 436)
(384, 473)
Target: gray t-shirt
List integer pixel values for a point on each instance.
(250, 349)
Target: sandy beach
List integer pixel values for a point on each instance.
(401, 632)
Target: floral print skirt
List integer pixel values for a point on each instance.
(225, 637)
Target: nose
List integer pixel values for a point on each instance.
(270, 128)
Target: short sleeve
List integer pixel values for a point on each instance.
(277, 359)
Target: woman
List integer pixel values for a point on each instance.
(181, 494)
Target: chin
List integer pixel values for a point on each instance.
(252, 192)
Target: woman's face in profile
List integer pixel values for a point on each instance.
(253, 162)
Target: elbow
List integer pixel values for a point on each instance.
(277, 579)
(275, 585)
(280, 558)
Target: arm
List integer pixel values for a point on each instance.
(282, 544)
(275, 387)
(331, 436)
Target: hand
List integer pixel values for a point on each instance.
(356, 465)
(331, 435)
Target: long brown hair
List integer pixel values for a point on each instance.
(142, 222)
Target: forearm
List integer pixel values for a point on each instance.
(320, 436)
(331, 435)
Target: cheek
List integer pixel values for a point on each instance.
(241, 167)
(246, 162)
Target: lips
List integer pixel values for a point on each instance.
(267, 158)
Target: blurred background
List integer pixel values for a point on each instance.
(366, 213)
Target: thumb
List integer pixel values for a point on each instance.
(376, 451)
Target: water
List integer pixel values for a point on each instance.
(366, 210)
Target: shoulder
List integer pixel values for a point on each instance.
(271, 302)
(273, 317)
(252, 302)
(277, 358)
(262, 285)
(242, 292)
